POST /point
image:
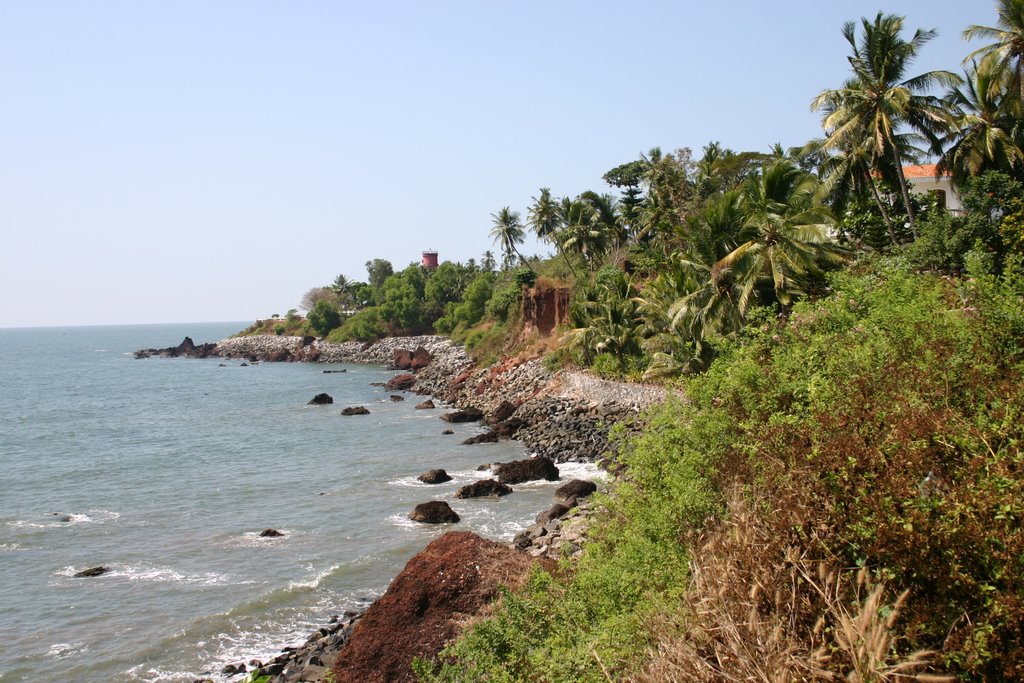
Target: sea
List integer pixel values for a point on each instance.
(166, 470)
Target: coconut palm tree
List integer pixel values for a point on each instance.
(784, 234)
(508, 231)
(584, 234)
(985, 119)
(545, 215)
(1007, 52)
(879, 99)
(848, 173)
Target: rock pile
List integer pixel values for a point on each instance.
(309, 662)
(426, 605)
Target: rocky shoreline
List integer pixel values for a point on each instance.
(560, 417)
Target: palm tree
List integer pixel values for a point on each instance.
(879, 99)
(783, 236)
(848, 173)
(984, 139)
(508, 230)
(1007, 52)
(606, 216)
(545, 215)
(584, 233)
(344, 288)
(487, 262)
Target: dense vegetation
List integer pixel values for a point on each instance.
(839, 495)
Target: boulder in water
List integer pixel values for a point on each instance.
(518, 471)
(426, 405)
(355, 410)
(270, 533)
(434, 512)
(484, 487)
(91, 571)
(320, 400)
(400, 382)
(466, 415)
(577, 488)
(434, 477)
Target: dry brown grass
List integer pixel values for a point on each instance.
(762, 609)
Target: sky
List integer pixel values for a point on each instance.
(197, 161)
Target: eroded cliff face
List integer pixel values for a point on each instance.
(544, 309)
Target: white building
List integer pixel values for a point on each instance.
(925, 179)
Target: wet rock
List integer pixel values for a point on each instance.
(484, 487)
(270, 533)
(577, 488)
(332, 372)
(233, 669)
(447, 432)
(502, 412)
(320, 400)
(487, 437)
(395, 398)
(400, 382)
(355, 410)
(465, 415)
(426, 405)
(556, 511)
(434, 512)
(509, 427)
(531, 469)
(434, 477)
(91, 571)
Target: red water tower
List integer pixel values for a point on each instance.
(429, 260)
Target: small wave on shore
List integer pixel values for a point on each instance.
(55, 520)
(144, 573)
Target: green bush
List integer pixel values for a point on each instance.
(364, 325)
(324, 317)
(504, 302)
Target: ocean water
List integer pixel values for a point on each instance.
(166, 470)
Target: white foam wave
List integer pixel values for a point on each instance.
(252, 539)
(153, 574)
(158, 675)
(64, 519)
(316, 580)
(8, 547)
(65, 650)
(168, 575)
(403, 522)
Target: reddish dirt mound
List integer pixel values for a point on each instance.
(448, 582)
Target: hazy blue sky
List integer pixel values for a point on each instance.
(200, 161)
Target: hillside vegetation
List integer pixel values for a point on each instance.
(839, 497)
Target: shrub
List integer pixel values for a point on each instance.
(364, 325)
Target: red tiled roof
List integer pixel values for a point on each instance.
(922, 171)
